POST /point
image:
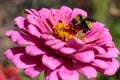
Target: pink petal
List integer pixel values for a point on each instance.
(86, 56)
(75, 43)
(51, 62)
(111, 53)
(51, 75)
(47, 26)
(88, 71)
(52, 42)
(114, 65)
(67, 50)
(52, 20)
(35, 12)
(47, 37)
(21, 61)
(106, 35)
(20, 22)
(98, 50)
(10, 53)
(67, 74)
(77, 11)
(66, 10)
(41, 26)
(66, 13)
(93, 38)
(19, 38)
(44, 13)
(58, 45)
(34, 31)
(29, 12)
(32, 72)
(34, 51)
(106, 43)
(65, 19)
(100, 63)
(97, 26)
(55, 13)
(32, 19)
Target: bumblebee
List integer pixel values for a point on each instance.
(82, 23)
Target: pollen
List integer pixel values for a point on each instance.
(62, 31)
(65, 32)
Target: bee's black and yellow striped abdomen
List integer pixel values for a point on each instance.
(82, 22)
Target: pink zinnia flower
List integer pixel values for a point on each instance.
(47, 41)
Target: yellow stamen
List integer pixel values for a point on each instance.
(63, 32)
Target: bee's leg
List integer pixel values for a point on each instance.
(80, 34)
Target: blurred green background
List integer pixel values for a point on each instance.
(105, 11)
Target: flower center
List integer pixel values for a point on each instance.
(62, 31)
(65, 32)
